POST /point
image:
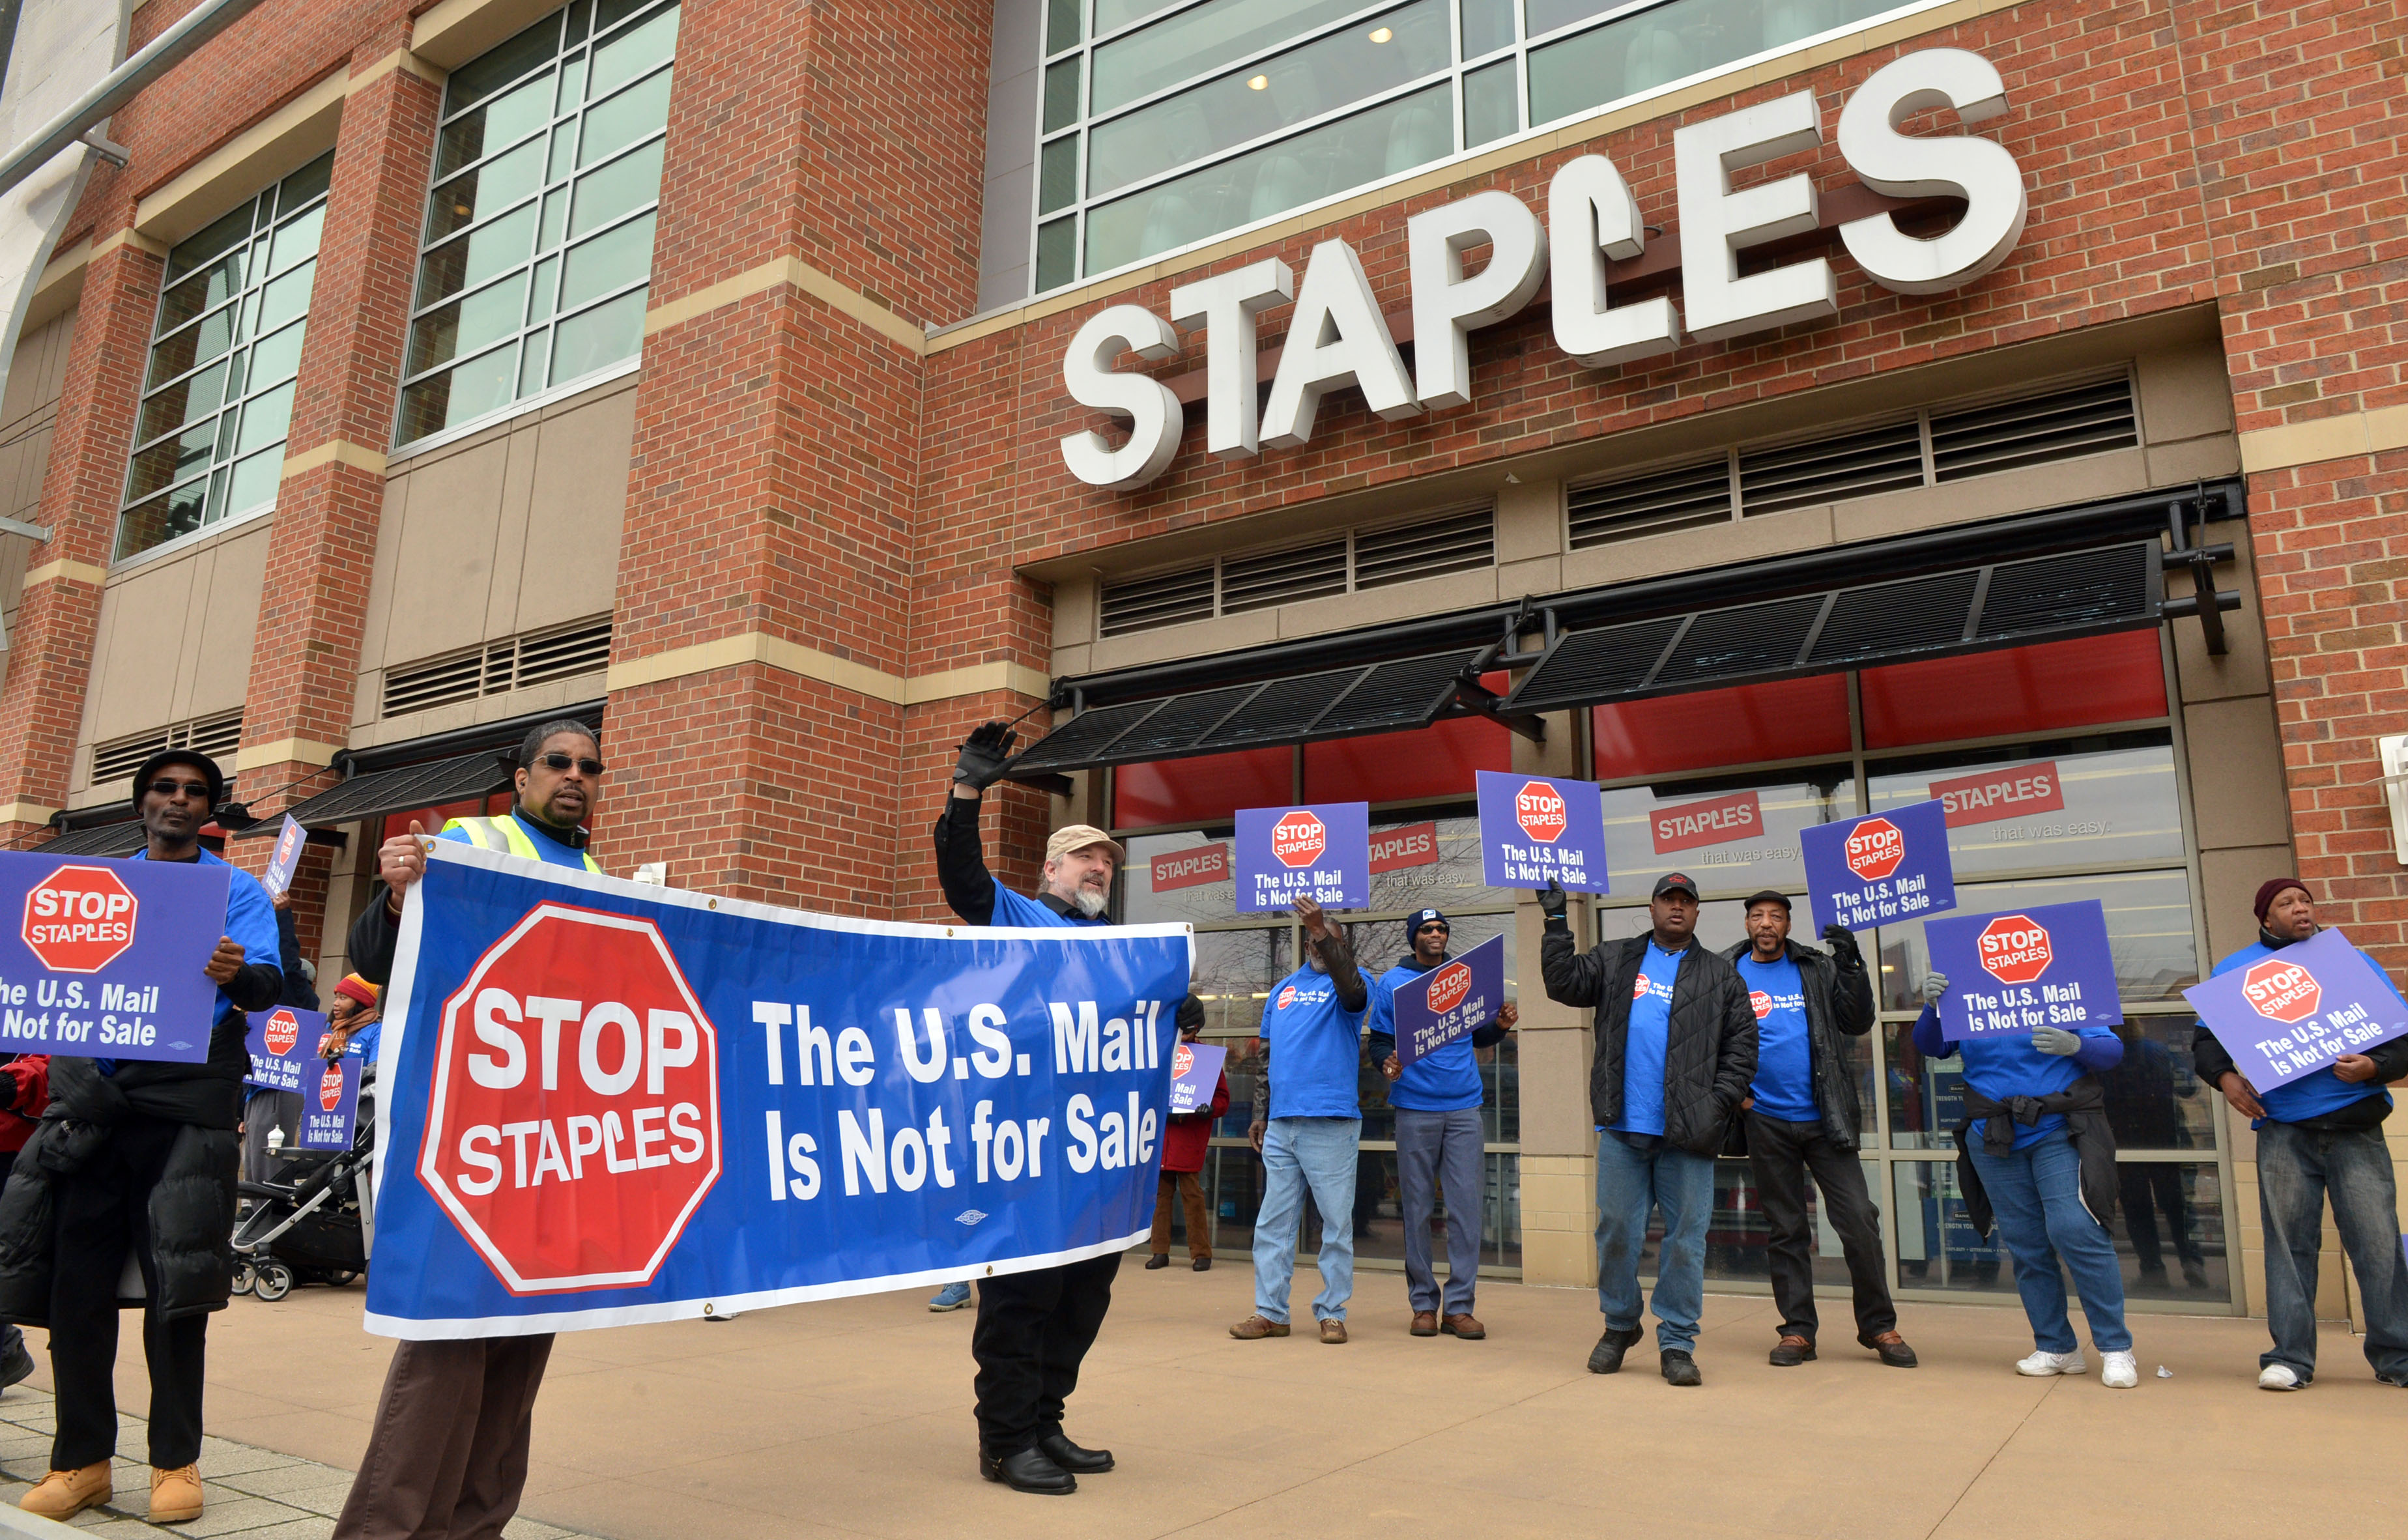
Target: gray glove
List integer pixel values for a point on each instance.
(984, 753)
(1934, 985)
(2056, 1040)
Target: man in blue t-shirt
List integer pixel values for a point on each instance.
(1438, 1138)
(2319, 1136)
(1308, 1118)
(1802, 1117)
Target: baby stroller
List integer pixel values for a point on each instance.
(315, 1224)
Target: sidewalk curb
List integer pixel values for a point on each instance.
(33, 1526)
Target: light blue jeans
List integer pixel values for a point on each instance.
(2036, 1195)
(1299, 1153)
(1630, 1183)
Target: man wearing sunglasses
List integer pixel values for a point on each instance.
(131, 1149)
(449, 1452)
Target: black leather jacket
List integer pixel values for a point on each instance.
(1837, 999)
(1710, 1046)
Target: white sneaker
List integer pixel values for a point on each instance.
(2041, 1365)
(2122, 1373)
(2279, 1377)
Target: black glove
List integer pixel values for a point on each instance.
(984, 753)
(1843, 948)
(1553, 901)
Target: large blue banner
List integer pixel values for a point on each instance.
(604, 1103)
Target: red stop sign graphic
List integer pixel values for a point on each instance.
(1538, 808)
(283, 1031)
(1447, 989)
(1875, 849)
(2282, 991)
(330, 1088)
(1760, 1002)
(1298, 839)
(79, 918)
(1182, 1059)
(573, 1128)
(2014, 949)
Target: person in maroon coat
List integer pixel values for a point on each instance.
(1184, 1144)
(24, 1091)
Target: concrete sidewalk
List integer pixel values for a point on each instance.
(852, 1418)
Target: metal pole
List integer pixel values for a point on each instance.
(123, 84)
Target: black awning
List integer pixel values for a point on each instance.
(1385, 697)
(377, 792)
(117, 837)
(1973, 610)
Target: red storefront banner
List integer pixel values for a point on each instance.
(1415, 844)
(1716, 821)
(1192, 868)
(1996, 795)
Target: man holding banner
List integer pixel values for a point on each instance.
(2319, 1136)
(1440, 1138)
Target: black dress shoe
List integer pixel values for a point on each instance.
(1028, 1471)
(1201, 1264)
(1606, 1357)
(1069, 1457)
(1158, 1260)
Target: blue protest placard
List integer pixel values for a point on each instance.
(330, 1104)
(1323, 852)
(1879, 869)
(1194, 1072)
(1453, 1000)
(1534, 829)
(2295, 1011)
(283, 1045)
(103, 957)
(618, 1103)
(290, 840)
(2047, 965)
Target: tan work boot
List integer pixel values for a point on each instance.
(1255, 1327)
(1465, 1327)
(1425, 1323)
(62, 1494)
(176, 1495)
(1333, 1333)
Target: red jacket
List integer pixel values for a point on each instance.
(30, 1071)
(1184, 1141)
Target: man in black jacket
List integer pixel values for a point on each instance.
(141, 1155)
(1802, 1116)
(1675, 1051)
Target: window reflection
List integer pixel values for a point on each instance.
(2108, 800)
(1733, 835)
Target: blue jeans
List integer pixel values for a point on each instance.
(1630, 1183)
(2298, 1169)
(1298, 1153)
(1435, 1149)
(2036, 1195)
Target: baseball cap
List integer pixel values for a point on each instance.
(1671, 882)
(1078, 836)
(1767, 896)
(1419, 918)
(193, 758)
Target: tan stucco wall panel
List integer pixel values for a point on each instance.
(2236, 773)
(442, 573)
(2183, 393)
(576, 507)
(174, 638)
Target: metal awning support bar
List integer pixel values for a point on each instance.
(121, 85)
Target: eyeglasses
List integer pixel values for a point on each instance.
(562, 762)
(179, 788)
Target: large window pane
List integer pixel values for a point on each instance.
(1937, 1248)
(488, 189)
(2168, 1232)
(1664, 44)
(468, 325)
(2155, 1098)
(276, 357)
(1738, 1236)
(612, 259)
(469, 260)
(622, 187)
(2099, 802)
(1201, 39)
(472, 390)
(1492, 108)
(213, 285)
(613, 125)
(195, 397)
(600, 336)
(625, 54)
(1732, 836)
(496, 125)
(169, 462)
(482, 75)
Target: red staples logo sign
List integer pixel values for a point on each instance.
(1447, 989)
(1415, 844)
(1191, 868)
(2282, 991)
(79, 918)
(1760, 1002)
(330, 1088)
(2015, 948)
(1287, 998)
(1718, 820)
(1874, 849)
(1995, 795)
(1538, 808)
(281, 1032)
(1182, 1059)
(573, 1127)
(1299, 839)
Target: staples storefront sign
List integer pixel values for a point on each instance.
(1337, 337)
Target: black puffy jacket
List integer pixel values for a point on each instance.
(1837, 999)
(1710, 1046)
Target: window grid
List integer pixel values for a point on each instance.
(233, 311)
(536, 258)
(1561, 58)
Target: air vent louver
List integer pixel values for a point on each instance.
(514, 662)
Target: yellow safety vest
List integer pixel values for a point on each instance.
(504, 834)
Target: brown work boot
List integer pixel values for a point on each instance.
(1425, 1323)
(62, 1494)
(1333, 1333)
(1464, 1327)
(1255, 1327)
(1892, 1349)
(176, 1495)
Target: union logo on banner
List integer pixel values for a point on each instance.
(1298, 839)
(79, 918)
(2015, 948)
(2281, 991)
(574, 1125)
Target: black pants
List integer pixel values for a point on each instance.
(103, 1211)
(447, 1456)
(1033, 1331)
(1782, 1154)
(2140, 1183)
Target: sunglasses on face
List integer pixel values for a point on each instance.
(561, 763)
(179, 788)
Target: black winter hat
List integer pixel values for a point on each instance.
(193, 757)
